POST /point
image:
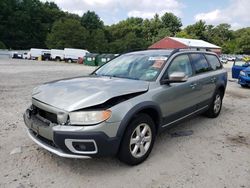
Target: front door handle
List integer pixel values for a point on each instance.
(193, 85)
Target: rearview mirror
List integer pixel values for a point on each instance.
(175, 77)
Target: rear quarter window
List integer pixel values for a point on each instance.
(214, 61)
(200, 63)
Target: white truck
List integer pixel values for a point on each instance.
(36, 52)
(72, 55)
(26, 55)
(57, 55)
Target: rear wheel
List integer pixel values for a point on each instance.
(244, 86)
(215, 107)
(138, 140)
(70, 61)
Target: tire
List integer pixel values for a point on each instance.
(135, 148)
(215, 107)
(58, 59)
(70, 61)
(244, 86)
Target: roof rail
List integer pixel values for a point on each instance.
(175, 50)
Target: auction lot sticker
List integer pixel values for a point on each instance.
(158, 61)
(162, 58)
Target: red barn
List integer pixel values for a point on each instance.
(174, 42)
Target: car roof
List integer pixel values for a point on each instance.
(151, 52)
(167, 52)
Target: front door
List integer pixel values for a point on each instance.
(177, 100)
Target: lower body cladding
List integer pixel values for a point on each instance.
(70, 144)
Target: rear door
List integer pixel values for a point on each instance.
(205, 79)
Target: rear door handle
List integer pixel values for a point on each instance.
(193, 85)
(213, 79)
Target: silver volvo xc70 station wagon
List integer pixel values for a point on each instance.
(120, 108)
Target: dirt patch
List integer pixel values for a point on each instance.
(236, 94)
(240, 140)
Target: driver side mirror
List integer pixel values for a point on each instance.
(175, 77)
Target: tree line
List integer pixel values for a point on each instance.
(28, 24)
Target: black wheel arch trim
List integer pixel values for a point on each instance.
(219, 86)
(135, 110)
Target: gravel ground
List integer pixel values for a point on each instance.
(217, 154)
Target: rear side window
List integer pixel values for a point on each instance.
(214, 62)
(200, 63)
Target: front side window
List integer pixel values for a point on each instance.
(200, 63)
(214, 62)
(134, 66)
(180, 64)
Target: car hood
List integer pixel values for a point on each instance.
(247, 69)
(83, 92)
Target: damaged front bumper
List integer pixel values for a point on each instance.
(70, 141)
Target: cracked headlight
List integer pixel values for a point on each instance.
(89, 117)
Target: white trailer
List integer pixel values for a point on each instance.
(36, 52)
(57, 55)
(71, 54)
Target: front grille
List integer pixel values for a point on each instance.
(46, 115)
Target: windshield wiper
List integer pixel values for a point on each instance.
(115, 76)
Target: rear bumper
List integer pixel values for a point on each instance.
(70, 144)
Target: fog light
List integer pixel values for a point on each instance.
(81, 146)
(84, 146)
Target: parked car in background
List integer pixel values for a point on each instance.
(246, 58)
(46, 56)
(72, 55)
(35, 53)
(57, 55)
(244, 77)
(223, 60)
(238, 66)
(16, 55)
(231, 58)
(26, 55)
(121, 107)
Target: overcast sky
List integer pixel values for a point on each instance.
(234, 12)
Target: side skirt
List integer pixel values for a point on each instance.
(194, 113)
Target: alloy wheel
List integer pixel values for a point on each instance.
(140, 140)
(217, 104)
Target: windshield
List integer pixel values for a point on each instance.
(134, 66)
(241, 63)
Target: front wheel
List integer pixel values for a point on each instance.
(138, 140)
(215, 107)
